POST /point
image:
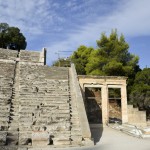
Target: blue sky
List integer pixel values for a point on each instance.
(64, 25)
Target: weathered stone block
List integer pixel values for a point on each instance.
(3, 138)
(76, 140)
(40, 138)
(61, 141)
(25, 138)
(3, 128)
(88, 142)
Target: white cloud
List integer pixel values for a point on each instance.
(37, 18)
(130, 18)
(31, 16)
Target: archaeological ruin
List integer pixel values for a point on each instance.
(52, 107)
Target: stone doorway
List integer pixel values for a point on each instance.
(93, 105)
(114, 102)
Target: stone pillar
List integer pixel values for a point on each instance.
(124, 104)
(43, 56)
(105, 114)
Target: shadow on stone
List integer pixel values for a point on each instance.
(96, 132)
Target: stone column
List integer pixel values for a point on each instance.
(124, 104)
(105, 104)
(43, 56)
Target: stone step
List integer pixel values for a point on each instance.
(3, 127)
(61, 142)
(52, 102)
(7, 107)
(45, 97)
(14, 122)
(25, 138)
(75, 132)
(27, 123)
(40, 95)
(75, 128)
(75, 122)
(4, 114)
(25, 128)
(15, 105)
(3, 136)
(12, 138)
(4, 99)
(24, 104)
(74, 117)
(76, 139)
(4, 119)
(3, 123)
(14, 118)
(13, 127)
(14, 113)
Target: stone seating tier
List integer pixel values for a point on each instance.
(29, 56)
(44, 102)
(6, 85)
(36, 104)
(6, 71)
(7, 54)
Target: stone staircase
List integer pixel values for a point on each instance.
(44, 106)
(40, 107)
(6, 86)
(13, 125)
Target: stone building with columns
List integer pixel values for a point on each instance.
(106, 82)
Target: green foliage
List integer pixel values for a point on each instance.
(11, 35)
(140, 95)
(80, 58)
(112, 57)
(62, 63)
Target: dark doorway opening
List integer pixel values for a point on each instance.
(93, 104)
(114, 95)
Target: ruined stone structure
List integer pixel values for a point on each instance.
(128, 114)
(43, 107)
(40, 106)
(104, 83)
(137, 117)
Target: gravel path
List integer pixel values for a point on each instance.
(116, 140)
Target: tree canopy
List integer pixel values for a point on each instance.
(80, 58)
(9, 35)
(110, 58)
(140, 94)
(62, 62)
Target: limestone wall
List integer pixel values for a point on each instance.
(84, 125)
(136, 117)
